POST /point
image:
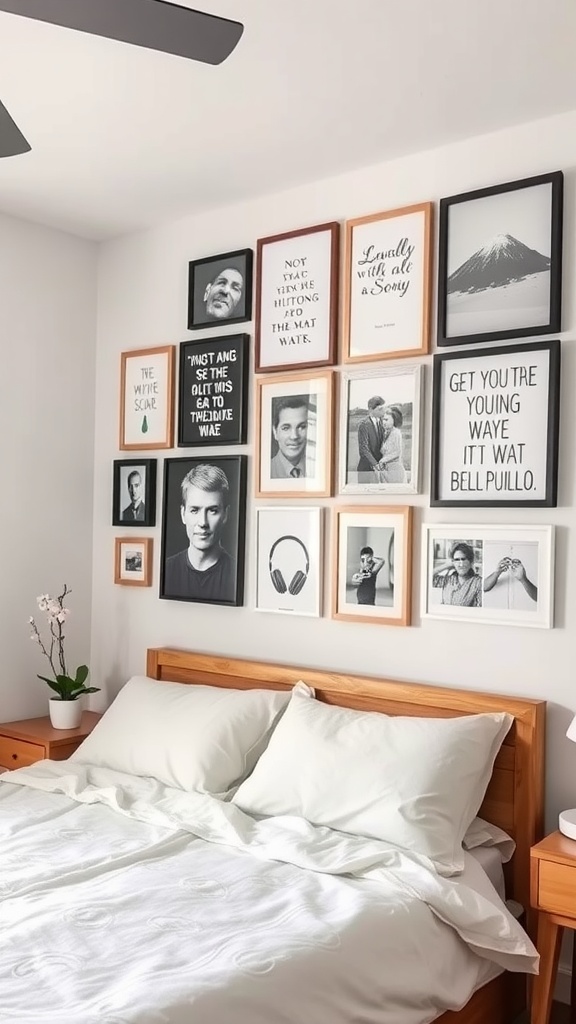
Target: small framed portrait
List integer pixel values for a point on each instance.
(501, 575)
(213, 391)
(294, 434)
(288, 560)
(297, 298)
(147, 399)
(203, 530)
(133, 561)
(387, 279)
(372, 564)
(220, 289)
(134, 492)
(500, 261)
(380, 431)
(495, 415)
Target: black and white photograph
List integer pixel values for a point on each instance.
(203, 530)
(380, 431)
(220, 289)
(495, 415)
(372, 565)
(500, 269)
(502, 575)
(133, 561)
(134, 492)
(294, 434)
(213, 391)
(288, 554)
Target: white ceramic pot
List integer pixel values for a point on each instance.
(65, 714)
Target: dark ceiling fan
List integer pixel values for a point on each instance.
(154, 24)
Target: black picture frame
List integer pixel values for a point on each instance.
(213, 391)
(202, 275)
(495, 420)
(490, 281)
(179, 580)
(122, 498)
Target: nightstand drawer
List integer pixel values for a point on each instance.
(557, 888)
(18, 753)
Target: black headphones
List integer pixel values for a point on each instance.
(299, 578)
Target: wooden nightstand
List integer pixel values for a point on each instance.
(22, 743)
(553, 895)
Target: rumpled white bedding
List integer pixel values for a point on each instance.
(125, 902)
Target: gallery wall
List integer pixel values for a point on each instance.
(142, 302)
(47, 339)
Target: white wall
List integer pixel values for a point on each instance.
(142, 302)
(47, 341)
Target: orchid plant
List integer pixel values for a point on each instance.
(67, 687)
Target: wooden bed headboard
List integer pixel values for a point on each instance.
(514, 799)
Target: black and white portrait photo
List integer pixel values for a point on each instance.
(134, 492)
(288, 552)
(372, 565)
(457, 572)
(500, 256)
(203, 528)
(220, 289)
(380, 431)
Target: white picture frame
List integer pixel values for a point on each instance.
(289, 560)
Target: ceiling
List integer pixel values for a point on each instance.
(123, 138)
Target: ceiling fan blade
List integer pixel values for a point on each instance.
(154, 24)
(12, 142)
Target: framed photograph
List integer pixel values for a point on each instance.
(495, 416)
(297, 298)
(213, 391)
(133, 561)
(380, 430)
(294, 434)
(147, 398)
(220, 289)
(502, 575)
(134, 492)
(388, 266)
(289, 560)
(203, 529)
(500, 261)
(372, 564)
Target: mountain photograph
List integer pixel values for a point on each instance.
(500, 262)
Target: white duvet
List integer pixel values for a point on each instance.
(125, 902)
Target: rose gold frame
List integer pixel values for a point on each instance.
(168, 442)
(147, 544)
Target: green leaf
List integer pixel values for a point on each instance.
(81, 675)
(52, 684)
(91, 689)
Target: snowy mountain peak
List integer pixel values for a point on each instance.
(499, 242)
(500, 261)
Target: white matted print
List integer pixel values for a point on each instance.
(380, 431)
(147, 398)
(373, 554)
(288, 558)
(133, 561)
(502, 575)
(294, 434)
(387, 284)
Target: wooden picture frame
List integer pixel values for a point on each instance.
(220, 289)
(147, 398)
(213, 391)
(297, 298)
(202, 558)
(500, 261)
(294, 435)
(134, 492)
(380, 416)
(289, 567)
(133, 561)
(372, 564)
(495, 418)
(388, 284)
(500, 575)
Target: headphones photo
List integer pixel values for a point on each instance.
(299, 578)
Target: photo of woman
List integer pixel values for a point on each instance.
(459, 577)
(391, 467)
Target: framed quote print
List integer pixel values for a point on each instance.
(213, 391)
(372, 564)
(500, 264)
(495, 415)
(387, 296)
(133, 561)
(297, 298)
(147, 399)
(288, 560)
(502, 575)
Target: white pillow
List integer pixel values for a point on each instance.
(414, 782)
(484, 833)
(203, 738)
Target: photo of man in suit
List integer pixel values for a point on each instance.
(370, 438)
(135, 512)
(290, 437)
